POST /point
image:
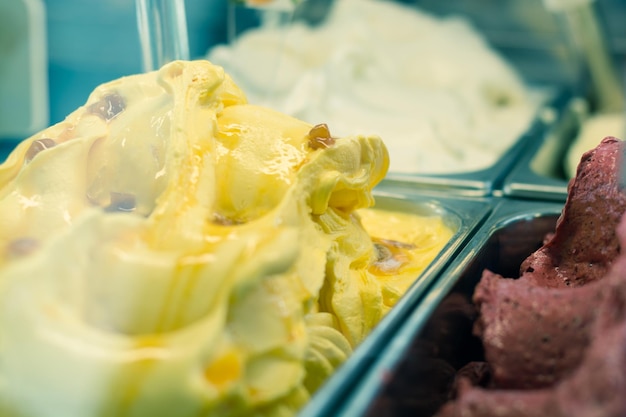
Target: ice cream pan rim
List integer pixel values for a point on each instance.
(485, 181)
(522, 181)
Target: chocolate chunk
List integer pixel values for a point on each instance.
(21, 247)
(222, 220)
(319, 137)
(108, 107)
(38, 146)
(477, 373)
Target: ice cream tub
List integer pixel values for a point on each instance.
(406, 377)
(542, 168)
(464, 216)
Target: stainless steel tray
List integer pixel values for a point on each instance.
(406, 380)
(539, 172)
(485, 181)
(465, 215)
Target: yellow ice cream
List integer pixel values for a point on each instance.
(169, 250)
(406, 245)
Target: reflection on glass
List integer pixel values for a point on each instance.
(163, 33)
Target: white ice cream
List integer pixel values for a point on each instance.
(432, 88)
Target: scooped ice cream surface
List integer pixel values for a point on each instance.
(170, 250)
(555, 338)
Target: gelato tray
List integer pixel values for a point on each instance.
(464, 216)
(481, 182)
(549, 161)
(406, 378)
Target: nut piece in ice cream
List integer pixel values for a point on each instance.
(169, 249)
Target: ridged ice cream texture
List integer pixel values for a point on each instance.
(173, 250)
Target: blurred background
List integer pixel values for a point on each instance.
(60, 50)
(54, 52)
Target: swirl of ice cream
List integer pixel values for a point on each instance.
(169, 249)
(163, 250)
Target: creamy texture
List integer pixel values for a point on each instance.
(592, 131)
(414, 240)
(554, 337)
(432, 88)
(169, 249)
